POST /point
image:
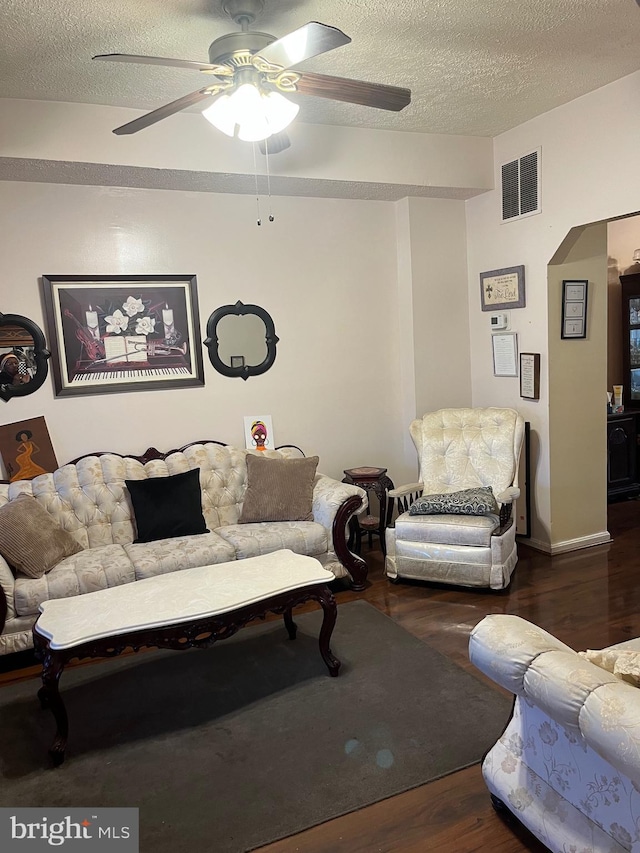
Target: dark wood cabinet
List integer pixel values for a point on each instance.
(631, 340)
(622, 455)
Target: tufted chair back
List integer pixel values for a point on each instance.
(465, 448)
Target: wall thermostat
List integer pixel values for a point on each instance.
(499, 321)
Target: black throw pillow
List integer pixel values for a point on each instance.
(165, 507)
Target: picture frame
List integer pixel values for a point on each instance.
(530, 375)
(502, 289)
(574, 309)
(26, 449)
(258, 432)
(505, 354)
(123, 333)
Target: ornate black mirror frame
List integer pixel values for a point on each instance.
(40, 352)
(211, 341)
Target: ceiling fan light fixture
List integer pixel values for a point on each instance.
(220, 114)
(257, 115)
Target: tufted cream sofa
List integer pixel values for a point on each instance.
(568, 763)
(89, 499)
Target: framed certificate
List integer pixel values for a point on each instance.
(505, 354)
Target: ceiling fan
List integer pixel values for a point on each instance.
(250, 70)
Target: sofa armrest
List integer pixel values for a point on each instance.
(7, 584)
(334, 503)
(577, 694)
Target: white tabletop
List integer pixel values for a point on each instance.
(175, 597)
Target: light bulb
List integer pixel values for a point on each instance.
(220, 114)
(256, 114)
(280, 111)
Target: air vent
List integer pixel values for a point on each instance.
(520, 187)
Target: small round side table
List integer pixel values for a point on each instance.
(371, 480)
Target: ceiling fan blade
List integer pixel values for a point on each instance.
(354, 91)
(276, 143)
(310, 40)
(162, 112)
(220, 70)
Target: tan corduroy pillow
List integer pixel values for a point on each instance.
(30, 540)
(278, 489)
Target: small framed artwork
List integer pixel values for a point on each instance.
(530, 375)
(258, 432)
(574, 308)
(505, 354)
(500, 289)
(123, 333)
(26, 449)
(237, 360)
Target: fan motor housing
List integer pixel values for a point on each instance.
(226, 46)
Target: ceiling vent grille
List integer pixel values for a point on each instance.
(521, 187)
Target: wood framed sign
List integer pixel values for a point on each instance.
(530, 375)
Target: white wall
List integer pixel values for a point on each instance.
(589, 173)
(325, 270)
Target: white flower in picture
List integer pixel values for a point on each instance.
(116, 322)
(145, 326)
(133, 306)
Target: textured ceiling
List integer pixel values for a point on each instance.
(475, 67)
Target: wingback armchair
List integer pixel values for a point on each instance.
(460, 449)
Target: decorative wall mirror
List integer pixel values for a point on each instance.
(23, 356)
(241, 340)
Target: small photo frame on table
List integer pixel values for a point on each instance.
(502, 289)
(530, 375)
(123, 333)
(574, 308)
(505, 354)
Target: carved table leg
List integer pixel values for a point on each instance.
(49, 696)
(330, 609)
(290, 625)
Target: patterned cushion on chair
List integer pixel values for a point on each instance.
(478, 501)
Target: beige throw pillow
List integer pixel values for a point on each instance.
(278, 489)
(30, 539)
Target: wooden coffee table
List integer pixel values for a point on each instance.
(193, 608)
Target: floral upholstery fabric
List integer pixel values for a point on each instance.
(263, 537)
(87, 571)
(181, 552)
(568, 763)
(89, 499)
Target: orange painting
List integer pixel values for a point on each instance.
(26, 449)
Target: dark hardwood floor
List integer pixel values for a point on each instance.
(588, 599)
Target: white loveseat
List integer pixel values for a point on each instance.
(568, 763)
(89, 499)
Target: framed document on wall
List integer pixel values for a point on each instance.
(505, 353)
(530, 375)
(574, 309)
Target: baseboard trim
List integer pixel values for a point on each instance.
(569, 544)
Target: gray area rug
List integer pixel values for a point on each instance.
(229, 748)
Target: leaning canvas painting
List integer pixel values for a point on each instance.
(26, 449)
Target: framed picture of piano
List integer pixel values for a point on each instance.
(122, 333)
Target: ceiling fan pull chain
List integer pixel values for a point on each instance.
(255, 174)
(266, 148)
